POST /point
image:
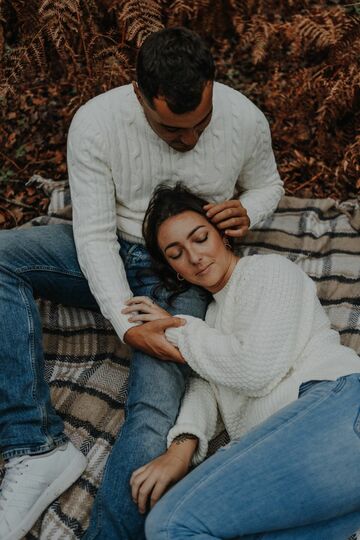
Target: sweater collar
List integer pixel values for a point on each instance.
(220, 295)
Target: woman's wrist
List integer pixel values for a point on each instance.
(184, 447)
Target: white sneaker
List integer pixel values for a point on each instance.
(31, 483)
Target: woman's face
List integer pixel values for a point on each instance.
(194, 248)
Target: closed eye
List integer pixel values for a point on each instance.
(176, 256)
(200, 240)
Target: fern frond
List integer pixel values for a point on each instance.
(319, 30)
(180, 13)
(60, 19)
(139, 18)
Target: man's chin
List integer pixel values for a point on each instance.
(182, 148)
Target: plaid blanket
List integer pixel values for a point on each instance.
(87, 365)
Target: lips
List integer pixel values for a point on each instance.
(203, 270)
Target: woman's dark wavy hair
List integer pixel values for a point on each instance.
(174, 63)
(167, 202)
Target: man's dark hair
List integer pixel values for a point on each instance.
(174, 63)
(167, 202)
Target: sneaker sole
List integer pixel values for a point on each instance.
(61, 484)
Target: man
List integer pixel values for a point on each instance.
(173, 124)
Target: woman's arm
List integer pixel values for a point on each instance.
(187, 444)
(149, 483)
(281, 299)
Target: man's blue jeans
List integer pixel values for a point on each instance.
(42, 262)
(296, 476)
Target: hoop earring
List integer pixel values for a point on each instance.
(180, 278)
(227, 243)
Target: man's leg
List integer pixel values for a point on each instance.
(33, 262)
(155, 391)
(298, 468)
(41, 463)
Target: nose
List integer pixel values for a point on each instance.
(194, 257)
(190, 137)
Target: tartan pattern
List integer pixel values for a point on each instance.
(87, 365)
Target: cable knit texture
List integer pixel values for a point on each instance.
(264, 334)
(115, 161)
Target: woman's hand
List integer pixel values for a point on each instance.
(153, 479)
(143, 309)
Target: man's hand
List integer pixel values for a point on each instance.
(230, 217)
(150, 338)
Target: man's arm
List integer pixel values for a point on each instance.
(259, 182)
(260, 185)
(94, 217)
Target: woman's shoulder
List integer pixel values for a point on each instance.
(269, 265)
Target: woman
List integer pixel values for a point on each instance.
(291, 470)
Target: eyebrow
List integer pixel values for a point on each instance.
(198, 124)
(172, 244)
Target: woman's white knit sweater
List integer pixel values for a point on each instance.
(115, 161)
(264, 334)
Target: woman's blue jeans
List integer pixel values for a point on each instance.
(42, 261)
(294, 477)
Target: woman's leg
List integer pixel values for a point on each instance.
(298, 468)
(340, 528)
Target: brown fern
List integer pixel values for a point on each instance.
(138, 18)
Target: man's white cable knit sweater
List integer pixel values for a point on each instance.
(265, 333)
(115, 161)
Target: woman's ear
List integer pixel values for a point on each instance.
(226, 242)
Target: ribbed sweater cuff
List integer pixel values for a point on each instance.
(174, 334)
(121, 325)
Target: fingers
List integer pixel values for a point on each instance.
(208, 206)
(141, 306)
(224, 211)
(143, 317)
(236, 222)
(145, 483)
(158, 491)
(140, 300)
(237, 233)
(170, 322)
(230, 217)
(137, 482)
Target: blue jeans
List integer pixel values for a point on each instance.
(296, 476)
(42, 262)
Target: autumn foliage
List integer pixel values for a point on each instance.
(299, 60)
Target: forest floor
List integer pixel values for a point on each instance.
(314, 161)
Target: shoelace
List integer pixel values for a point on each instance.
(13, 469)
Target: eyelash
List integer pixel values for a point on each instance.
(197, 241)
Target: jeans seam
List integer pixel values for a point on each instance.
(24, 270)
(356, 426)
(34, 396)
(208, 477)
(39, 449)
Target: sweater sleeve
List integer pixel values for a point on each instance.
(197, 416)
(259, 182)
(254, 361)
(94, 218)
